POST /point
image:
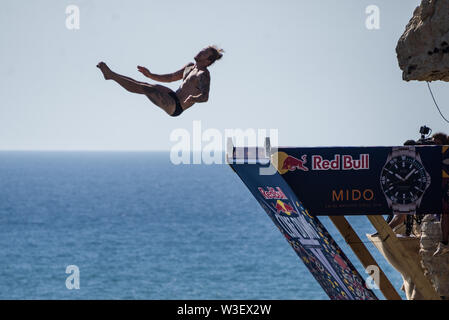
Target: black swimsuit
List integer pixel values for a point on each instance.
(178, 109)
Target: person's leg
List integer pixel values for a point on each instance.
(161, 96)
(129, 84)
(397, 220)
(445, 228)
(158, 94)
(443, 246)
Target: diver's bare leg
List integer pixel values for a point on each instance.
(158, 94)
(129, 84)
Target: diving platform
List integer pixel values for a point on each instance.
(295, 186)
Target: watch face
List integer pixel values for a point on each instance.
(403, 180)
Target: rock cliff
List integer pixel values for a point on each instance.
(436, 268)
(423, 49)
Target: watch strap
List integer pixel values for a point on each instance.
(403, 151)
(404, 208)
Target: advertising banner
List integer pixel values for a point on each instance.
(367, 180)
(305, 233)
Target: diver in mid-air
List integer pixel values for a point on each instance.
(194, 87)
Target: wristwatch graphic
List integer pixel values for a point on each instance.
(404, 180)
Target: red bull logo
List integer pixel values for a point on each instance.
(291, 163)
(284, 207)
(272, 193)
(285, 163)
(346, 162)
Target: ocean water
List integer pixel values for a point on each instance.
(139, 227)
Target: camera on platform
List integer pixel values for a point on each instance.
(425, 132)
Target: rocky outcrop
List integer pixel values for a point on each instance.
(436, 268)
(411, 246)
(420, 246)
(423, 49)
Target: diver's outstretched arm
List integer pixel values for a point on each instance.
(170, 77)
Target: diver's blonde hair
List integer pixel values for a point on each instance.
(217, 53)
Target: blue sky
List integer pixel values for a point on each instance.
(310, 69)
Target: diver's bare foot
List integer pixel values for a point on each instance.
(107, 73)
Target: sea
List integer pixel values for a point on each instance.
(133, 225)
